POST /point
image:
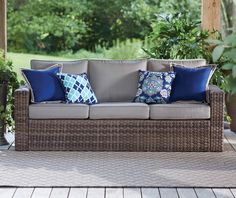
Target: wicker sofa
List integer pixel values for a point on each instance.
(117, 124)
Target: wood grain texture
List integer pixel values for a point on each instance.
(78, 193)
(233, 190)
(59, 193)
(132, 193)
(168, 193)
(41, 193)
(211, 14)
(222, 193)
(96, 192)
(23, 193)
(204, 193)
(7, 192)
(231, 138)
(3, 27)
(114, 192)
(150, 193)
(186, 193)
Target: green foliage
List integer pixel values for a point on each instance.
(122, 50)
(44, 26)
(226, 49)
(177, 37)
(9, 77)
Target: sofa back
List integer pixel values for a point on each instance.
(115, 80)
(164, 64)
(70, 67)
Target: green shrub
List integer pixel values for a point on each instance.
(129, 49)
(177, 37)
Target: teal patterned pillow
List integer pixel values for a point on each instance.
(77, 88)
(154, 87)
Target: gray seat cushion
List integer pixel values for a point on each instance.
(70, 67)
(179, 111)
(115, 81)
(58, 111)
(160, 65)
(119, 110)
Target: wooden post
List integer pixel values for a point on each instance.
(3, 25)
(211, 15)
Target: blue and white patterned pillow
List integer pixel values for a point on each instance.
(77, 88)
(154, 87)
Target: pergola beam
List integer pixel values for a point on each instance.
(211, 15)
(3, 25)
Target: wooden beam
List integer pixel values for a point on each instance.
(3, 25)
(211, 15)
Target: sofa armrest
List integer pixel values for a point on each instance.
(21, 116)
(216, 101)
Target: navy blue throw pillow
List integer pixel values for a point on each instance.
(44, 84)
(154, 87)
(190, 83)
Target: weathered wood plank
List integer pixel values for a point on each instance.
(96, 192)
(114, 192)
(23, 192)
(211, 14)
(233, 190)
(186, 193)
(222, 193)
(41, 193)
(7, 192)
(132, 193)
(3, 29)
(150, 193)
(5, 147)
(168, 193)
(204, 193)
(59, 193)
(227, 145)
(231, 137)
(78, 193)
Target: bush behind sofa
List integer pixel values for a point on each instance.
(117, 124)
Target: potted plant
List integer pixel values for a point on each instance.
(226, 48)
(8, 84)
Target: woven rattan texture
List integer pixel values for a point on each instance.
(119, 135)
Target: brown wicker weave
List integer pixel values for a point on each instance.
(119, 135)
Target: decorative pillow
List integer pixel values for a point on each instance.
(44, 84)
(154, 87)
(77, 88)
(191, 83)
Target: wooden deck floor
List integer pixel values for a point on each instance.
(230, 145)
(117, 193)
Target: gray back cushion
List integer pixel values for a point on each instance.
(161, 65)
(115, 80)
(70, 67)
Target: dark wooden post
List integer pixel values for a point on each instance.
(3, 25)
(211, 15)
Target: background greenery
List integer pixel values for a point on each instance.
(42, 26)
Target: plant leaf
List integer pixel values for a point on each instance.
(231, 40)
(234, 71)
(214, 41)
(217, 52)
(228, 66)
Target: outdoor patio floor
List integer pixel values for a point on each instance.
(230, 145)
